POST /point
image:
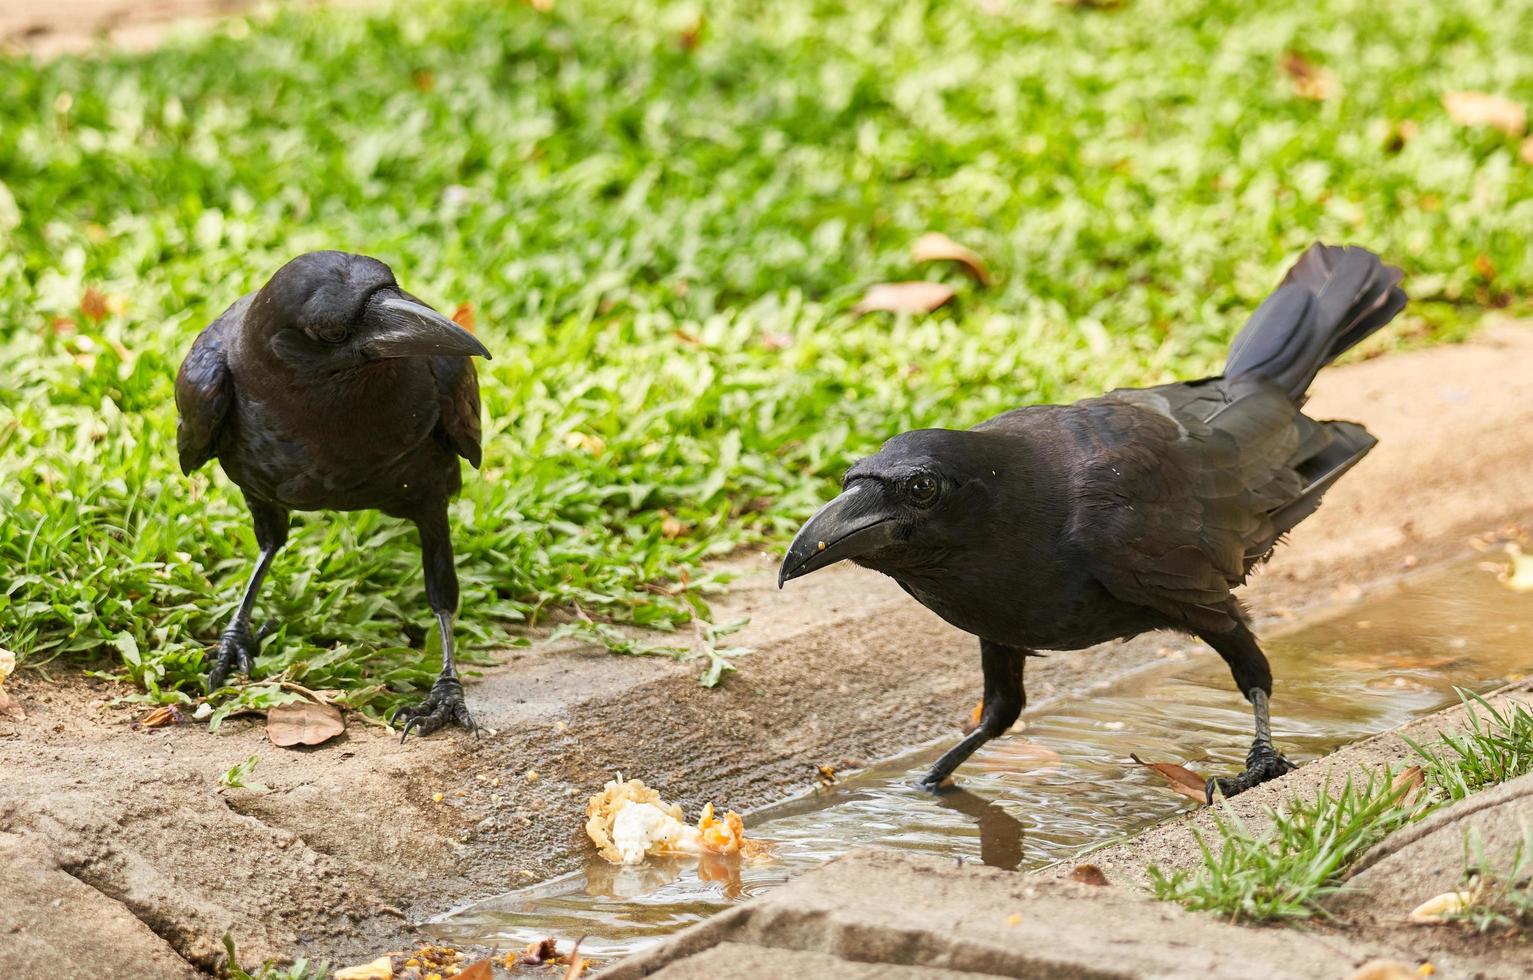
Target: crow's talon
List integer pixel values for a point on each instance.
(443, 706)
(1263, 763)
(237, 650)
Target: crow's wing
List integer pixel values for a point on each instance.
(457, 391)
(1177, 488)
(204, 389)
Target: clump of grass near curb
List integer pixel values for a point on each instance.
(1502, 897)
(1285, 872)
(1495, 748)
(300, 969)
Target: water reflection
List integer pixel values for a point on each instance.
(1065, 784)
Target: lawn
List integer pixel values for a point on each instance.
(661, 226)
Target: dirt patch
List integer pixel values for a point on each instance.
(352, 844)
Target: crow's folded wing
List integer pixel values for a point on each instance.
(457, 390)
(204, 390)
(1176, 487)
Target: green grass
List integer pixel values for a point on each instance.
(1287, 871)
(662, 247)
(1494, 748)
(1501, 896)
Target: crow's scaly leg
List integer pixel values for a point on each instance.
(1004, 698)
(445, 704)
(238, 646)
(1254, 676)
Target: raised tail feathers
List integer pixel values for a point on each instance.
(1333, 297)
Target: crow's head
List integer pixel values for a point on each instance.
(335, 309)
(921, 500)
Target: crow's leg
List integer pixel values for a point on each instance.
(238, 646)
(1004, 698)
(444, 705)
(1254, 677)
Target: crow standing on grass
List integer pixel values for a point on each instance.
(1056, 527)
(330, 388)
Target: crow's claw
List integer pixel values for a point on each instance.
(237, 650)
(1262, 764)
(443, 706)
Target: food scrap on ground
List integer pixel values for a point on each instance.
(628, 821)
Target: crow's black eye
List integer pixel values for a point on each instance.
(923, 490)
(331, 333)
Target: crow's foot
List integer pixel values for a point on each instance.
(443, 706)
(237, 650)
(1262, 763)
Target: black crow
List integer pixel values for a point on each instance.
(330, 388)
(1056, 527)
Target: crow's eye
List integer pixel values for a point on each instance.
(923, 490)
(331, 333)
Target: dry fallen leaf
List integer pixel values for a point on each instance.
(1408, 783)
(1483, 109)
(1309, 80)
(93, 305)
(904, 297)
(1183, 780)
(937, 247)
(165, 714)
(303, 723)
(1088, 874)
(476, 971)
(463, 316)
(1383, 970)
(577, 963)
(379, 969)
(1441, 908)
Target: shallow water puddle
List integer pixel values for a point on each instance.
(1063, 782)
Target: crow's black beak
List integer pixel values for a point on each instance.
(402, 328)
(856, 523)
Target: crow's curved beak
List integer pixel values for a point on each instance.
(402, 328)
(854, 524)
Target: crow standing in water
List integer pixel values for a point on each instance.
(1056, 527)
(330, 388)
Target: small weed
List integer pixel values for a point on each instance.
(1496, 747)
(1503, 899)
(618, 641)
(1285, 872)
(297, 970)
(238, 777)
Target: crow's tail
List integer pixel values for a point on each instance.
(1332, 298)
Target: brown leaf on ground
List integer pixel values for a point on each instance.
(934, 246)
(904, 297)
(1384, 970)
(463, 316)
(1182, 779)
(1408, 782)
(1088, 874)
(303, 723)
(1309, 80)
(165, 714)
(93, 305)
(692, 33)
(380, 969)
(476, 971)
(576, 963)
(1483, 109)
